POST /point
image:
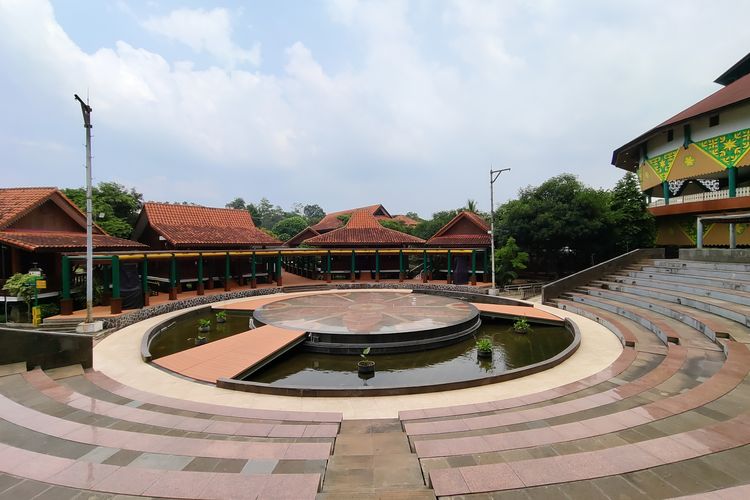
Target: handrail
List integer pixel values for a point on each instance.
(556, 288)
(708, 195)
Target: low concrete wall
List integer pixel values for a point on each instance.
(45, 349)
(557, 288)
(716, 254)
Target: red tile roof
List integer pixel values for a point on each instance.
(197, 226)
(298, 238)
(51, 240)
(331, 221)
(17, 202)
(363, 228)
(406, 220)
(734, 93)
(449, 236)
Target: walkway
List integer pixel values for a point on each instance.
(231, 356)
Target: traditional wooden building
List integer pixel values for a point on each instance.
(465, 230)
(335, 220)
(38, 225)
(405, 220)
(168, 226)
(694, 164)
(300, 237)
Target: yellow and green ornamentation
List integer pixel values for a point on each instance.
(662, 164)
(728, 149)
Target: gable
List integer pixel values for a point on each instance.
(464, 226)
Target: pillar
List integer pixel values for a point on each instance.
(172, 278)
(115, 303)
(448, 270)
(485, 272)
(400, 265)
(732, 176)
(328, 266)
(253, 277)
(699, 233)
(424, 266)
(473, 267)
(200, 274)
(227, 271)
(106, 282)
(377, 266)
(278, 270)
(354, 267)
(144, 281)
(66, 303)
(665, 189)
(732, 236)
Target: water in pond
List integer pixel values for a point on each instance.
(447, 364)
(181, 333)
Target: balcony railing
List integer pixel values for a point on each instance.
(710, 195)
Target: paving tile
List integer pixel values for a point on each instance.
(24, 489)
(162, 462)
(122, 457)
(256, 467)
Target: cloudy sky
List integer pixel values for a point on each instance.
(346, 103)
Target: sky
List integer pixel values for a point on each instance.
(348, 103)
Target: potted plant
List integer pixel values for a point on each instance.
(221, 317)
(364, 365)
(204, 325)
(200, 340)
(521, 326)
(484, 347)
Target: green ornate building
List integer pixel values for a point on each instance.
(694, 165)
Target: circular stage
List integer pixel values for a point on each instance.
(347, 322)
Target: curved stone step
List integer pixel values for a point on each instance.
(742, 277)
(699, 264)
(703, 290)
(693, 280)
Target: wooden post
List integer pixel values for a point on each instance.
(400, 265)
(354, 266)
(377, 266)
(473, 267)
(172, 278)
(227, 271)
(115, 303)
(66, 303)
(328, 266)
(200, 274)
(424, 266)
(448, 273)
(253, 278)
(144, 281)
(279, 281)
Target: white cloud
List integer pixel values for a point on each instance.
(208, 31)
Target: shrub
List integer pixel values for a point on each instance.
(484, 344)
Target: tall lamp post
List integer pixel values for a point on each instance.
(494, 174)
(89, 325)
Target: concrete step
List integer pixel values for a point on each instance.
(695, 264)
(693, 280)
(743, 277)
(724, 294)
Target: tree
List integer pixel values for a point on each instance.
(115, 208)
(396, 225)
(237, 204)
(509, 259)
(22, 287)
(313, 213)
(413, 215)
(286, 228)
(427, 228)
(471, 205)
(562, 224)
(268, 213)
(634, 226)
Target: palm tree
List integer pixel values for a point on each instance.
(471, 206)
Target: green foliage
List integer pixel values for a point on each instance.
(562, 224)
(286, 228)
(509, 259)
(427, 228)
(521, 325)
(344, 218)
(237, 204)
(114, 207)
(314, 213)
(413, 215)
(396, 225)
(634, 225)
(221, 315)
(365, 353)
(48, 310)
(471, 205)
(204, 323)
(484, 344)
(21, 286)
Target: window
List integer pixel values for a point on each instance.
(670, 135)
(713, 120)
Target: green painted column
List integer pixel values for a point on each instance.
(354, 266)
(377, 266)
(173, 278)
(448, 275)
(66, 303)
(328, 266)
(732, 175)
(473, 267)
(401, 265)
(279, 280)
(227, 272)
(200, 273)
(424, 266)
(253, 279)
(144, 281)
(115, 303)
(665, 189)
(106, 285)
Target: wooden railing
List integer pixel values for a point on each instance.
(709, 195)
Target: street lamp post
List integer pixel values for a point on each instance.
(494, 174)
